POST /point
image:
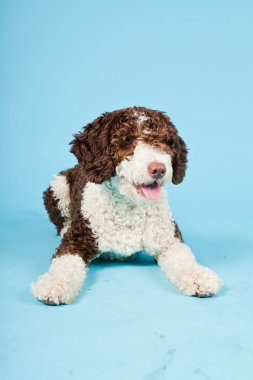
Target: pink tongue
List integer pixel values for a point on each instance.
(151, 192)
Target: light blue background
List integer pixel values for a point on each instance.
(62, 64)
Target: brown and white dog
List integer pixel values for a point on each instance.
(113, 204)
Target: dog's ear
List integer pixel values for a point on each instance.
(179, 160)
(92, 149)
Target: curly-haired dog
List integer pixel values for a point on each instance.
(113, 204)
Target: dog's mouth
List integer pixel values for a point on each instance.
(151, 191)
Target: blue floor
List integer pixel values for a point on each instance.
(129, 322)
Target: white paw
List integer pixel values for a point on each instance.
(63, 281)
(52, 290)
(200, 282)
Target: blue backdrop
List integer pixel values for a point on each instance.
(62, 64)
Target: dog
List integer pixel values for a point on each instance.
(113, 204)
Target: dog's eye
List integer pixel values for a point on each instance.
(128, 140)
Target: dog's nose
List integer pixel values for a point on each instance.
(156, 170)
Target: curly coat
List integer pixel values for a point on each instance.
(111, 204)
(99, 148)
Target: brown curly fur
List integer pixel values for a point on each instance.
(99, 147)
(51, 204)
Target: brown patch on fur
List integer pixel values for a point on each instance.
(79, 240)
(178, 233)
(51, 205)
(92, 148)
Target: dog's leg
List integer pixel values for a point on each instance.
(61, 284)
(181, 267)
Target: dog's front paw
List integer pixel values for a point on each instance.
(201, 282)
(52, 290)
(63, 281)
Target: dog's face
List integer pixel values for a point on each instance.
(137, 149)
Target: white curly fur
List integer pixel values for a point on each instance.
(179, 264)
(60, 189)
(62, 282)
(123, 228)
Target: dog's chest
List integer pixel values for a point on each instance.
(124, 228)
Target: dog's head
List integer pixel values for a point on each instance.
(137, 149)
